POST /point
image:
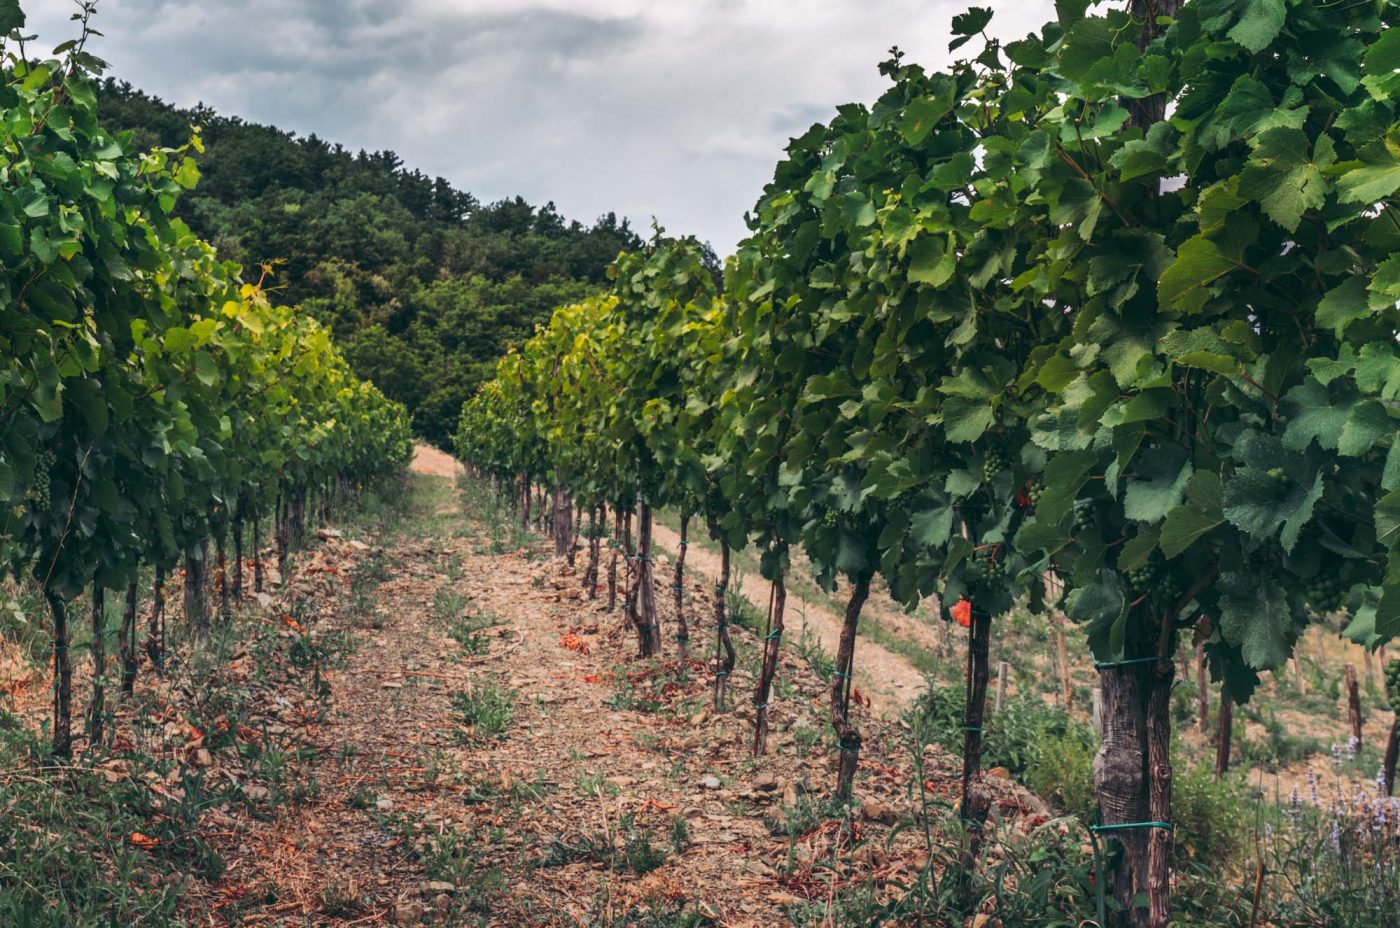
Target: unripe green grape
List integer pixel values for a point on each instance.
(994, 463)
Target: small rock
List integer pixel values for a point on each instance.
(202, 758)
(255, 793)
(442, 903)
(1001, 773)
(765, 782)
(699, 718)
(710, 782)
(758, 868)
(438, 887)
(263, 599)
(783, 899)
(408, 913)
(359, 545)
(876, 811)
(384, 805)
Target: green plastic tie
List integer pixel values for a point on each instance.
(973, 729)
(721, 673)
(842, 674)
(772, 636)
(1127, 826)
(760, 706)
(1132, 661)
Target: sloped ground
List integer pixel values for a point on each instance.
(431, 723)
(614, 792)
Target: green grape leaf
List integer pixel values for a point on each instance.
(1202, 513)
(1259, 24)
(1255, 617)
(1158, 486)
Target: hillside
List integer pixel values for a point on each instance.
(423, 284)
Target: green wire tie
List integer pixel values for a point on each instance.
(973, 729)
(719, 589)
(772, 636)
(1094, 831)
(849, 749)
(760, 706)
(843, 675)
(721, 673)
(685, 544)
(1109, 665)
(1125, 826)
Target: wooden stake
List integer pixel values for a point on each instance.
(1354, 704)
(1226, 732)
(1202, 690)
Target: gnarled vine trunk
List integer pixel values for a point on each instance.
(155, 639)
(127, 642)
(644, 590)
(590, 573)
(196, 613)
(257, 556)
(225, 608)
(97, 709)
(1120, 777)
(612, 559)
(725, 655)
(848, 737)
(772, 639)
(562, 522)
(678, 587)
(62, 678)
(976, 800)
(238, 558)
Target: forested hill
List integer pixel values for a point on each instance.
(423, 284)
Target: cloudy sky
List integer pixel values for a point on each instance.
(676, 109)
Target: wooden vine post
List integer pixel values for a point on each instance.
(1353, 692)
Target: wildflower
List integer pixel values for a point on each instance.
(1353, 744)
(1336, 755)
(1312, 786)
(1334, 840)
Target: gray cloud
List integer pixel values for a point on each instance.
(677, 109)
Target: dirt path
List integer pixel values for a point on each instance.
(491, 753)
(890, 680)
(434, 463)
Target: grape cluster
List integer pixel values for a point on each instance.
(1154, 577)
(1392, 682)
(994, 463)
(982, 569)
(1083, 516)
(1280, 477)
(1034, 492)
(830, 518)
(1323, 592)
(37, 495)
